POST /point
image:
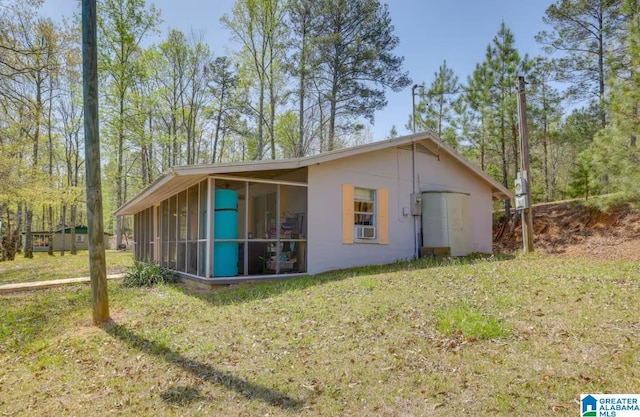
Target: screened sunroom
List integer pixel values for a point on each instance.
(258, 227)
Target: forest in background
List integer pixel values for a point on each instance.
(307, 77)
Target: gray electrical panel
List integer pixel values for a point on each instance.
(416, 204)
(521, 188)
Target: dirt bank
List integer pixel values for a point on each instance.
(572, 229)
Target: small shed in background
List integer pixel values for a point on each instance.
(41, 240)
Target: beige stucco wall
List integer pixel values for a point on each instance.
(390, 169)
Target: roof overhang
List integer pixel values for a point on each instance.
(182, 177)
(164, 187)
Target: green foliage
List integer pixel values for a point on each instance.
(287, 133)
(305, 76)
(585, 179)
(227, 103)
(584, 30)
(148, 274)
(462, 319)
(544, 121)
(393, 133)
(122, 27)
(615, 148)
(436, 107)
(258, 25)
(607, 202)
(357, 61)
(491, 97)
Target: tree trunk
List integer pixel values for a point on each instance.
(72, 226)
(301, 95)
(633, 138)
(63, 214)
(118, 218)
(50, 221)
(50, 142)
(321, 137)
(174, 135)
(545, 168)
(10, 241)
(332, 125)
(272, 124)
(28, 239)
(260, 122)
(150, 155)
(16, 238)
(120, 170)
(482, 144)
(143, 163)
(601, 75)
(272, 103)
(505, 178)
(28, 249)
(440, 114)
(4, 241)
(216, 135)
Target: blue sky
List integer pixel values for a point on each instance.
(430, 32)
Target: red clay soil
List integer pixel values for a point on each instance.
(571, 229)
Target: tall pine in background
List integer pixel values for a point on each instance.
(436, 107)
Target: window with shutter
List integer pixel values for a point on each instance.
(364, 215)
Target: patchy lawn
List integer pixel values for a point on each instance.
(44, 267)
(509, 337)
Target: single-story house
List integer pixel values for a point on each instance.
(368, 204)
(41, 240)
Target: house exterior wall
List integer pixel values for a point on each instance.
(449, 175)
(390, 169)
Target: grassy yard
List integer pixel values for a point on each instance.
(44, 267)
(524, 336)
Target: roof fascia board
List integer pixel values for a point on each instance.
(213, 169)
(158, 183)
(294, 163)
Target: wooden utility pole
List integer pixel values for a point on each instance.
(97, 261)
(527, 215)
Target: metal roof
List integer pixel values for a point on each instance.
(179, 178)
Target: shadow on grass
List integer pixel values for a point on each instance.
(252, 291)
(181, 396)
(200, 370)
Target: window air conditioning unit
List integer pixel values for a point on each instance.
(365, 232)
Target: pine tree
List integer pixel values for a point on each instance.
(585, 31)
(614, 150)
(545, 115)
(491, 95)
(435, 110)
(357, 61)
